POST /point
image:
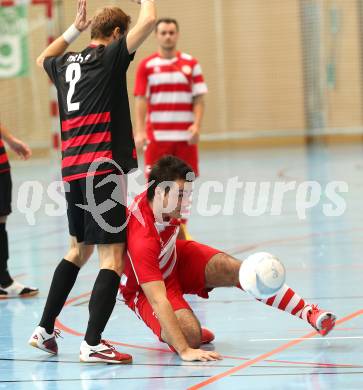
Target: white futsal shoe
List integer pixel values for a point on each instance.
(104, 352)
(17, 290)
(45, 341)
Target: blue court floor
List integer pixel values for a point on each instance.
(263, 348)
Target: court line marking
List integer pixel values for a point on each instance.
(233, 251)
(226, 301)
(193, 365)
(316, 339)
(176, 377)
(73, 332)
(281, 348)
(244, 248)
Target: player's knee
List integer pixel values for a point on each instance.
(72, 255)
(111, 257)
(230, 267)
(79, 254)
(118, 268)
(85, 252)
(193, 336)
(115, 264)
(222, 270)
(190, 327)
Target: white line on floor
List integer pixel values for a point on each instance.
(310, 339)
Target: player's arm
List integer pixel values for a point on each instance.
(198, 109)
(19, 147)
(156, 294)
(140, 121)
(59, 46)
(144, 25)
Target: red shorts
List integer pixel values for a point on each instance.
(157, 149)
(189, 278)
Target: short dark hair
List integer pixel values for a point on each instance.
(106, 20)
(168, 169)
(167, 21)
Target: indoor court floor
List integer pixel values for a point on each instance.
(263, 348)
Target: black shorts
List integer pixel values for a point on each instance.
(5, 193)
(97, 215)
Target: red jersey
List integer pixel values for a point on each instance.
(151, 250)
(4, 162)
(170, 86)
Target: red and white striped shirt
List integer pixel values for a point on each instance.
(151, 250)
(170, 86)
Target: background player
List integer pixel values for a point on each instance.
(95, 123)
(169, 107)
(160, 269)
(169, 90)
(9, 288)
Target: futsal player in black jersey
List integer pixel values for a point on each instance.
(97, 150)
(9, 288)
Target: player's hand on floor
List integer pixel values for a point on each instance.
(190, 355)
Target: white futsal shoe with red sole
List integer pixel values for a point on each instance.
(323, 321)
(46, 342)
(104, 352)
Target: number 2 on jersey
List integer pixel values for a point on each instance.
(73, 74)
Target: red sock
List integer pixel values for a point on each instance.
(287, 300)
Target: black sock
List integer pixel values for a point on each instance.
(5, 278)
(64, 277)
(101, 304)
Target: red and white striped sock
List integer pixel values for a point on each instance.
(287, 300)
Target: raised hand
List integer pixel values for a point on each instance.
(81, 23)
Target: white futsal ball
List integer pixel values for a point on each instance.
(262, 275)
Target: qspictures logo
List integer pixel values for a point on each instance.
(210, 198)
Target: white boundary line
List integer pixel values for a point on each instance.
(311, 339)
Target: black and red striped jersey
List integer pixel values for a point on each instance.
(4, 162)
(94, 109)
